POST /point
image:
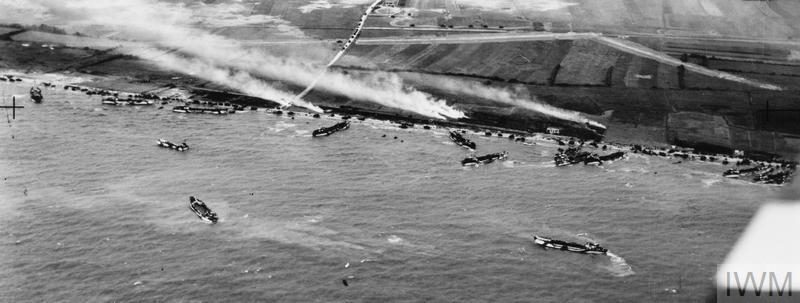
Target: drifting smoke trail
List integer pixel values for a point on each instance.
(341, 53)
(239, 80)
(165, 25)
(502, 95)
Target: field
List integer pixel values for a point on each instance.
(648, 101)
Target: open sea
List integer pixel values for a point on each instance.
(96, 212)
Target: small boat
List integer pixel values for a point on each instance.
(202, 211)
(327, 131)
(486, 159)
(36, 94)
(167, 144)
(460, 140)
(588, 248)
(406, 125)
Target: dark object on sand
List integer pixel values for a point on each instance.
(202, 211)
(588, 248)
(327, 131)
(460, 140)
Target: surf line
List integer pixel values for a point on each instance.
(344, 49)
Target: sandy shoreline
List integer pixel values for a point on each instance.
(92, 85)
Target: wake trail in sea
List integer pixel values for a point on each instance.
(619, 267)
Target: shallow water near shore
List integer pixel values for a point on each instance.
(95, 211)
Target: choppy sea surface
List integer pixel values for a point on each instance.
(95, 212)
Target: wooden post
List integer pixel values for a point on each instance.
(13, 107)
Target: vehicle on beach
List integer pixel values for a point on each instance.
(485, 159)
(460, 140)
(36, 94)
(167, 144)
(202, 211)
(587, 248)
(327, 131)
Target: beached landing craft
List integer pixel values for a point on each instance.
(199, 110)
(588, 248)
(135, 102)
(486, 159)
(167, 144)
(36, 94)
(737, 173)
(460, 140)
(202, 211)
(327, 131)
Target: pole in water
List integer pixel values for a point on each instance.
(13, 107)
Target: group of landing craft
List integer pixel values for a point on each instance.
(475, 160)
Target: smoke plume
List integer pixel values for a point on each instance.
(503, 95)
(175, 26)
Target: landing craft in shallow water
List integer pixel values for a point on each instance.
(167, 144)
(36, 94)
(486, 159)
(588, 248)
(202, 211)
(327, 131)
(460, 140)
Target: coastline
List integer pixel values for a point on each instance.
(175, 96)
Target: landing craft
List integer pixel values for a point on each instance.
(588, 248)
(327, 131)
(36, 94)
(486, 159)
(202, 211)
(460, 140)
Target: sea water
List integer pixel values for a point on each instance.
(94, 211)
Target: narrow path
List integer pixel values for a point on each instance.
(646, 52)
(341, 53)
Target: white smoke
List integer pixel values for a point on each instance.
(174, 26)
(240, 80)
(503, 95)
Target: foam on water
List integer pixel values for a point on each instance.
(619, 267)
